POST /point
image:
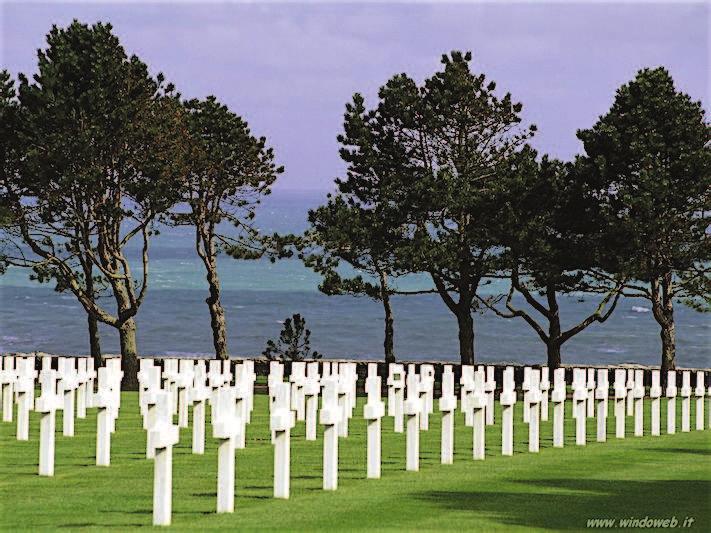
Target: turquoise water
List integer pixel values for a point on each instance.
(258, 295)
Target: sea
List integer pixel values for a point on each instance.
(258, 296)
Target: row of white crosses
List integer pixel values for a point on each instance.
(186, 383)
(68, 389)
(182, 385)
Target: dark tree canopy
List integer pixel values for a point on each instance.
(438, 152)
(649, 163)
(549, 227)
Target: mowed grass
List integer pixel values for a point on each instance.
(659, 477)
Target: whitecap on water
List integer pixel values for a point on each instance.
(640, 309)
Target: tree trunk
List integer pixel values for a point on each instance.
(466, 335)
(663, 311)
(553, 349)
(129, 355)
(554, 341)
(668, 335)
(389, 342)
(217, 312)
(94, 340)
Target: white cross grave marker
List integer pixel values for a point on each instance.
(330, 416)
(671, 401)
(297, 378)
(373, 411)
(225, 428)
(164, 435)
(241, 403)
(199, 393)
(601, 393)
(580, 396)
(68, 384)
(685, 401)
(507, 400)
(447, 404)
(150, 400)
(412, 412)
(699, 392)
(82, 379)
(558, 398)
(526, 387)
(24, 388)
(478, 403)
(545, 387)
(630, 395)
(312, 387)
(104, 401)
(490, 388)
(424, 387)
(620, 402)
(47, 405)
(344, 388)
(281, 421)
(534, 404)
(8, 376)
(466, 388)
(655, 392)
(427, 379)
(396, 389)
(638, 392)
(590, 402)
(183, 382)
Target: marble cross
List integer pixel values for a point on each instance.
(199, 393)
(226, 427)
(312, 387)
(478, 404)
(47, 405)
(638, 393)
(507, 400)
(558, 398)
(330, 416)
(620, 386)
(373, 412)
(412, 413)
(699, 393)
(163, 436)
(671, 401)
(601, 392)
(655, 393)
(685, 401)
(447, 405)
(534, 405)
(580, 396)
(396, 389)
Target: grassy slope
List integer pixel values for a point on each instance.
(555, 489)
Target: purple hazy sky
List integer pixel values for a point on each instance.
(290, 68)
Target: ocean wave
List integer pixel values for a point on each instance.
(612, 350)
(640, 309)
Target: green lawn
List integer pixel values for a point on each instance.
(659, 477)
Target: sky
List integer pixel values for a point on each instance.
(290, 68)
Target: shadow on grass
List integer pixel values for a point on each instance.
(569, 503)
(694, 451)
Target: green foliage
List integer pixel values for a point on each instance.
(649, 163)
(101, 147)
(230, 171)
(294, 343)
(433, 158)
